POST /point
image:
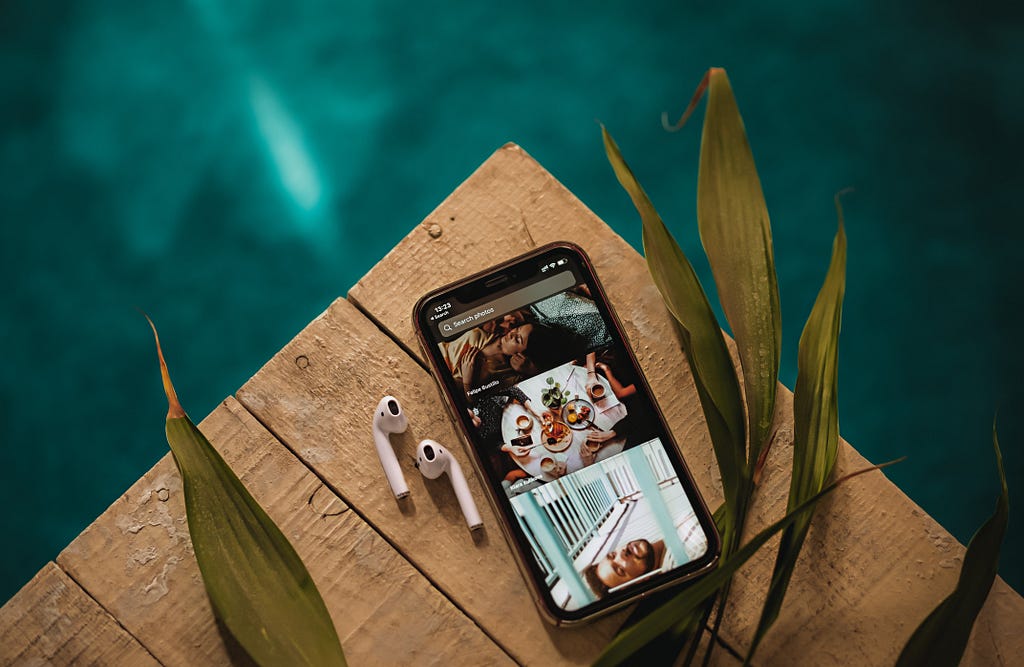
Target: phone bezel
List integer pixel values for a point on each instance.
(517, 270)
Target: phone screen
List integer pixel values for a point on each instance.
(564, 427)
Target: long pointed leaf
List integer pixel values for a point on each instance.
(257, 584)
(737, 237)
(706, 352)
(626, 643)
(685, 633)
(815, 423)
(941, 639)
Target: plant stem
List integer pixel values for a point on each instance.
(730, 544)
(694, 642)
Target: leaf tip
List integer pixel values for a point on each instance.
(174, 409)
(999, 456)
(839, 204)
(606, 136)
(693, 102)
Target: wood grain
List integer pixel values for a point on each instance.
(874, 564)
(405, 582)
(137, 561)
(52, 621)
(318, 395)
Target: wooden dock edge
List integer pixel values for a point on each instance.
(51, 620)
(135, 564)
(406, 582)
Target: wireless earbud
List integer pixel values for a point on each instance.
(389, 419)
(432, 460)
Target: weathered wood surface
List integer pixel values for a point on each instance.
(51, 621)
(137, 561)
(405, 582)
(874, 564)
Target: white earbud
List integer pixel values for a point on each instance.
(432, 460)
(389, 419)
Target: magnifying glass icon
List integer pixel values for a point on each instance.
(447, 328)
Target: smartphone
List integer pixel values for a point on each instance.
(575, 457)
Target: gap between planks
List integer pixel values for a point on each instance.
(365, 519)
(99, 604)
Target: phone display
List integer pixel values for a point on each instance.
(575, 455)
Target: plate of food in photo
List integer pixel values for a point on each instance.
(556, 436)
(578, 414)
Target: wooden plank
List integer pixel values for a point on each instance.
(875, 564)
(137, 561)
(51, 620)
(318, 395)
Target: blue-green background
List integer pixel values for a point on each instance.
(232, 167)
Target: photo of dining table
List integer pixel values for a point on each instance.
(561, 438)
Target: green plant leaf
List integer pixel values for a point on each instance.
(684, 635)
(708, 356)
(815, 423)
(942, 636)
(703, 341)
(737, 237)
(257, 584)
(665, 617)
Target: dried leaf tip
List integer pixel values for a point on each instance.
(174, 409)
(699, 93)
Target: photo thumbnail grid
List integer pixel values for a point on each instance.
(568, 431)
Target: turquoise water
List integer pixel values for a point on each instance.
(233, 167)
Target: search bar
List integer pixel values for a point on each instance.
(488, 311)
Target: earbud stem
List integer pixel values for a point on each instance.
(388, 461)
(469, 509)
